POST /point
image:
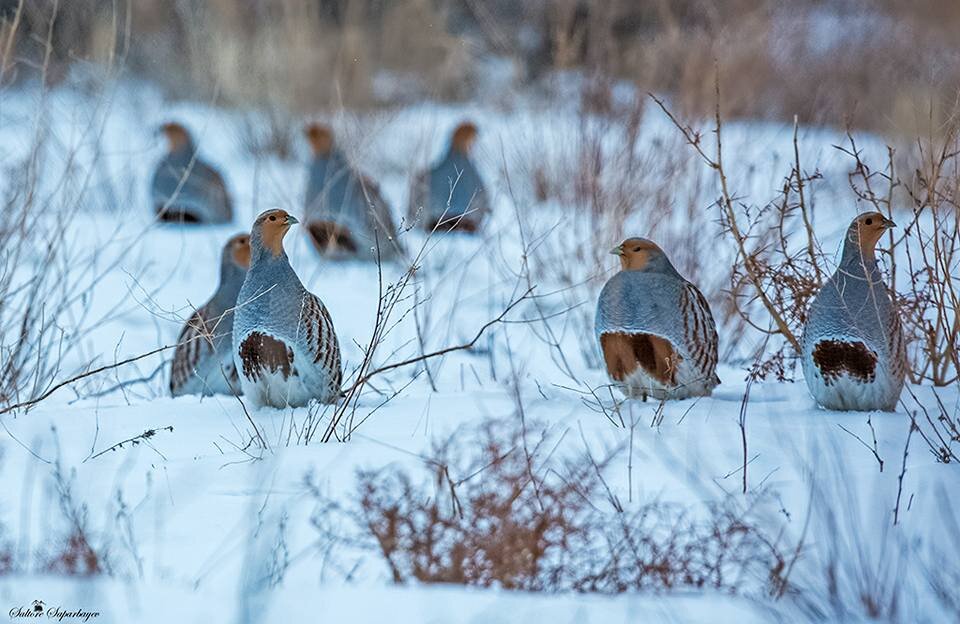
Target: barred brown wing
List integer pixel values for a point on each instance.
(699, 329)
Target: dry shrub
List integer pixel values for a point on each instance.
(45, 281)
(272, 132)
(302, 55)
(507, 513)
(931, 245)
(939, 427)
(75, 557)
(7, 559)
(858, 566)
(927, 249)
(873, 65)
(780, 267)
(609, 179)
(74, 554)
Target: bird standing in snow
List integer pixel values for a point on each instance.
(203, 362)
(185, 189)
(853, 351)
(450, 196)
(285, 347)
(344, 209)
(655, 329)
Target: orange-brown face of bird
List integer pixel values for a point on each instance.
(464, 137)
(240, 250)
(177, 136)
(320, 138)
(635, 253)
(867, 229)
(273, 225)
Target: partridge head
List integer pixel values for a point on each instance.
(463, 138)
(266, 236)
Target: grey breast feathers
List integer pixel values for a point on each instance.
(655, 321)
(261, 353)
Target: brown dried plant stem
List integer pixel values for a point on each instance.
(366, 377)
(726, 203)
(95, 371)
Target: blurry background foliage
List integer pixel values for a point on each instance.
(891, 66)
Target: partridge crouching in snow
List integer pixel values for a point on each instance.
(853, 351)
(345, 215)
(185, 189)
(285, 347)
(203, 362)
(655, 329)
(450, 195)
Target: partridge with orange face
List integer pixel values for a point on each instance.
(203, 362)
(344, 212)
(853, 352)
(285, 348)
(655, 328)
(451, 195)
(185, 189)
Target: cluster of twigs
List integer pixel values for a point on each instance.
(768, 272)
(779, 266)
(589, 188)
(508, 513)
(45, 284)
(931, 301)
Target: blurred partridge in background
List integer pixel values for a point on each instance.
(655, 329)
(853, 350)
(203, 362)
(185, 189)
(450, 195)
(343, 208)
(285, 347)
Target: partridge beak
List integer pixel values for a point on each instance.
(888, 223)
(292, 220)
(617, 251)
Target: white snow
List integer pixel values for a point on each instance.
(179, 511)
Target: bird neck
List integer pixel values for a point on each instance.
(456, 153)
(183, 151)
(858, 260)
(264, 256)
(658, 264)
(231, 279)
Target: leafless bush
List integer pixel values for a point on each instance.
(507, 513)
(931, 244)
(927, 251)
(74, 554)
(939, 427)
(857, 565)
(43, 279)
(272, 132)
(7, 558)
(780, 267)
(578, 194)
(873, 65)
(46, 279)
(300, 55)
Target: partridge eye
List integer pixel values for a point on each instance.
(636, 249)
(869, 221)
(273, 218)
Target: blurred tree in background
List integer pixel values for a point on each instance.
(883, 65)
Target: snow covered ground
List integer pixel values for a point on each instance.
(183, 516)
